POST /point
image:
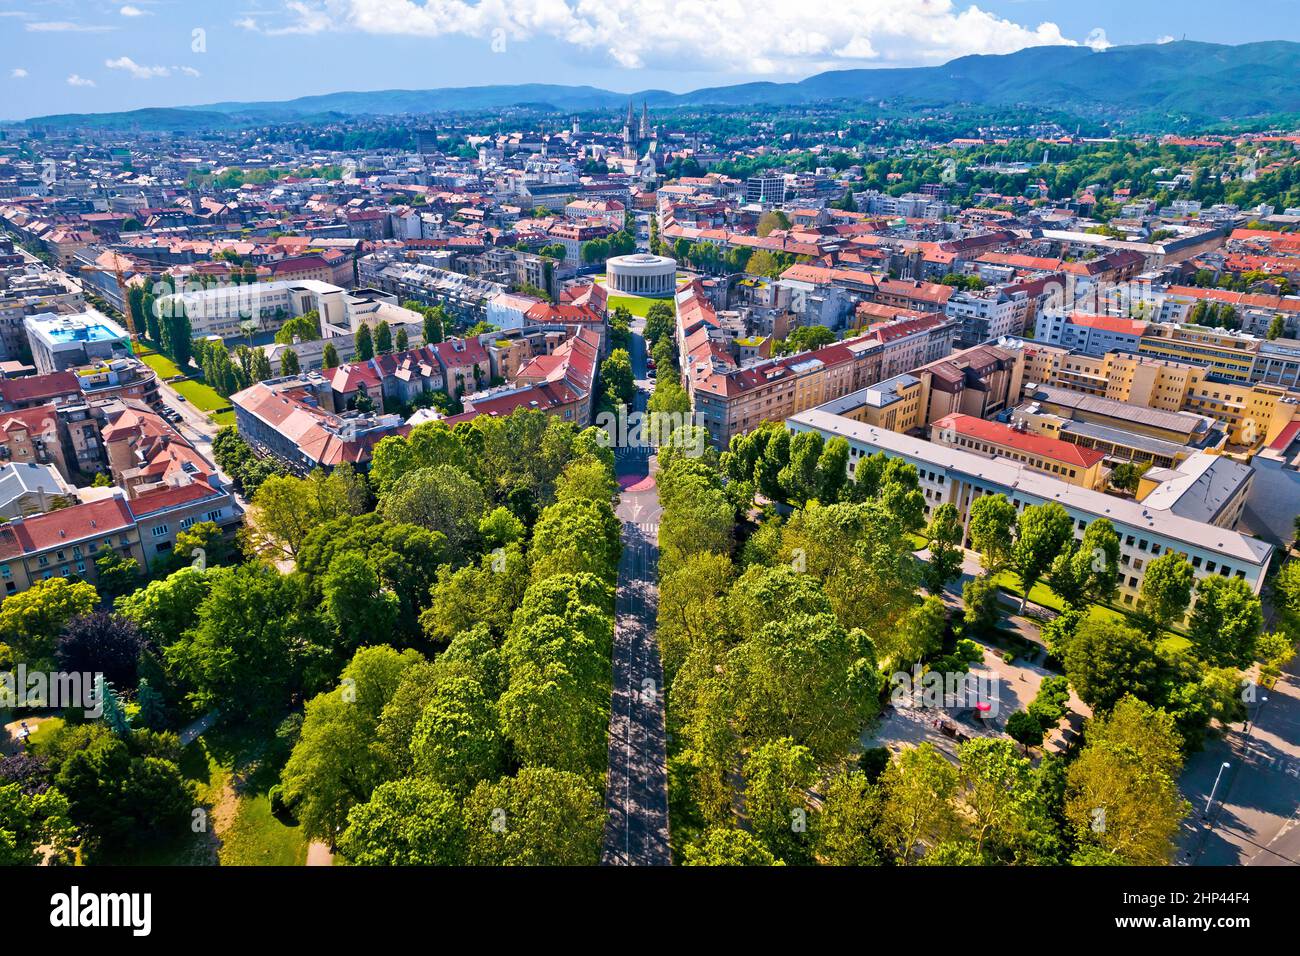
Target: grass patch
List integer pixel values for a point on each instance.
(257, 838)
(636, 304)
(44, 731)
(162, 366)
(222, 419)
(202, 396)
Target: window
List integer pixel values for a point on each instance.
(215, 515)
(159, 530)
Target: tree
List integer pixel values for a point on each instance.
(101, 643)
(285, 509)
(365, 344)
(778, 775)
(121, 796)
(1107, 659)
(540, 817)
(443, 499)
(166, 607)
(289, 364)
(243, 652)
(980, 597)
(201, 545)
(660, 321)
(726, 846)
(336, 765)
(301, 328)
(849, 820)
(434, 324)
(807, 678)
(997, 790)
(401, 341)
(407, 822)
(383, 338)
(919, 787)
(1089, 573)
(585, 479)
(772, 220)
(1166, 590)
(574, 536)
(1024, 729)
(1042, 532)
(1122, 792)
(992, 518)
(360, 609)
(616, 373)
(1276, 328)
(805, 338)
(31, 620)
(943, 536)
(1226, 620)
(457, 741)
(116, 575)
(1127, 475)
(329, 356)
(34, 827)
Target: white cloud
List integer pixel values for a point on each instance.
(130, 11)
(189, 71)
(1097, 40)
(75, 80)
(18, 73)
(137, 70)
(63, 26)
(762, 36)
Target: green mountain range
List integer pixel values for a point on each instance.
(1205, 81)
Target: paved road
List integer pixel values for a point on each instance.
(636, 830)
(1255, 817)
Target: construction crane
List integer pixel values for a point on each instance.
(116, 272)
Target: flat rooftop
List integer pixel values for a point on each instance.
(67, 329)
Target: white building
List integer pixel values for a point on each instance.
(222, 311)
(641, 274)
(1146, 529)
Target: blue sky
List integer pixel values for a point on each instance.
(96, 55)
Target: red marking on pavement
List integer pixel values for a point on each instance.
(638, 484)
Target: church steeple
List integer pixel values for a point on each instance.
(644, 132)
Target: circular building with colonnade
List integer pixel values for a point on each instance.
(641, 274)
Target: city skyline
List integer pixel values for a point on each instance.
(63, 56)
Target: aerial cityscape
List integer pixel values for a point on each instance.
(604, 434)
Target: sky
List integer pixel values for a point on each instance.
(60, 56)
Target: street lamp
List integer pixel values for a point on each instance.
(1222, 767)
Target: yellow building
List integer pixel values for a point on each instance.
(1225, 352)
(1252, 414)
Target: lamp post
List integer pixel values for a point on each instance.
(1210, 800)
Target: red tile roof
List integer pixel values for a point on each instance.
(65, 527)
(995, 433)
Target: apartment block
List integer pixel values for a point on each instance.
(1146, 529)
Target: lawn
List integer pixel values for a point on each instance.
(202, 396)
(256, 838)
(638, 305)
(232, 778)
(163, 367)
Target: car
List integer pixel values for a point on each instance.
(650, 374)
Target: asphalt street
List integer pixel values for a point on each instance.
(636, 830)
